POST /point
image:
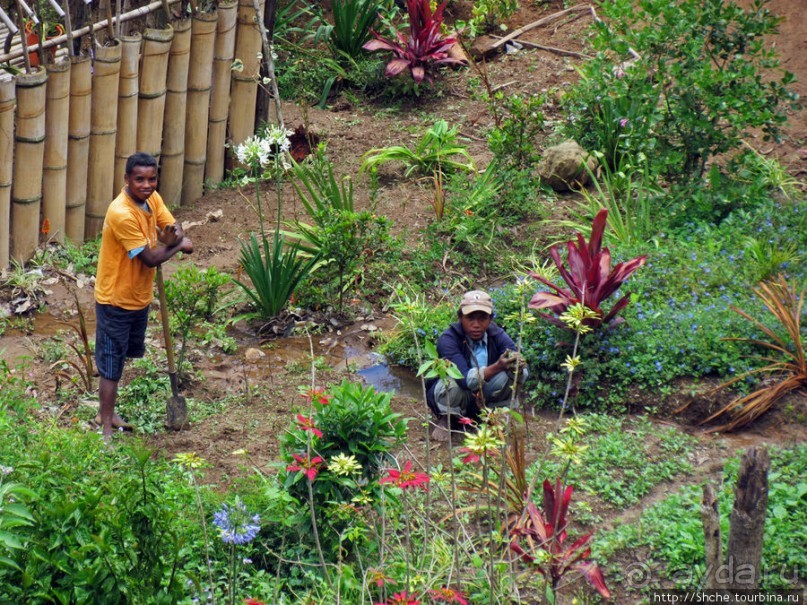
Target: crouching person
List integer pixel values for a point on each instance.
(487, 358)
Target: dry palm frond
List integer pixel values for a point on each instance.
(791, 368)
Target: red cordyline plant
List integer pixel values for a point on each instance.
(426, 44)
(546, 531)
(589, 277)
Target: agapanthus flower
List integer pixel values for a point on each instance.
(308, 466)
(344, 465)
(406, 478)
(236, 525)
(448, 595)
(255, 151)
(306, 423)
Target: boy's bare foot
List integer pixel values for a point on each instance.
(441, 432)
(117, 423)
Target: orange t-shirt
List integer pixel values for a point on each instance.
(122, 281)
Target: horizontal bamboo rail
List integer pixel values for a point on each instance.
(133, 14)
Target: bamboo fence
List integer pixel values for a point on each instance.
(103, 134)
(66, 131)
(151, 103)
(223, 55)
(172, 161)
(7, 105)
(29, 153)
(248, 45)
(78, 146)
(54, 176)
(128, 89)
(200, 77)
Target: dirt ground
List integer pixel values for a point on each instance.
(270, 379)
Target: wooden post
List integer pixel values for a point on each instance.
(172, 160)
(744, 552)
(128, 89)
(711, 534)
(78, 146)
(54, 177)
(223, 54)
(103, 133)
(29, 153)
(7, 104)
(200, 76)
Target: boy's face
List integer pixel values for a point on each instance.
(141, 182)
(475, 324)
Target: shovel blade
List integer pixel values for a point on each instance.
(176, 417)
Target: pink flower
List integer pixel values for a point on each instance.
(466, 421)
(623, 122)
(377, 577)
(306, 423)
(406, 478)
(471, 456)
(253, 602)
(310, 467)
(402, 598)
(448, 595)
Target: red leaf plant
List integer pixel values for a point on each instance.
(589, 277)
(547, 531)
(426, 44)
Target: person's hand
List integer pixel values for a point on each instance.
(186, 245)
(170, 235)
(512, 358)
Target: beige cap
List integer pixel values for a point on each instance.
(476, 300)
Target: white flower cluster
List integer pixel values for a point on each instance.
(266, 150)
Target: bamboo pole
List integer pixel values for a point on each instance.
(223, 54)
(128, 88)
(7, 105)
(29, 152)
(151, 98)
(245, 82)
(103, 132)
(200, 78)
(173, 145)
(78, 146)
(54, 175)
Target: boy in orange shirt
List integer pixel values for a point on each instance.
(135, 221)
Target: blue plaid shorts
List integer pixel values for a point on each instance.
(119, 334)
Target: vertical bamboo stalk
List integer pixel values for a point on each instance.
(103, 132)
(223, 54)
(128, 88)
(78, 146)
(248, 45)
(151, 98)
(8, 102)
(200, 78)
(173, 145)
(29, 153)
(54, 175)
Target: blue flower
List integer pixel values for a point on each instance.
(235, 524)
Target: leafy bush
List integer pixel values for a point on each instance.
(353, 22)
(513, 140)
(692, 87)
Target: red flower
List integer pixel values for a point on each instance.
(253, 602)
(448, 595)
(471, 456)
(45, 227)
(306, 423)
(318, 396)
(310, 467)
(402, 598)
(466, 421)
(406, 478)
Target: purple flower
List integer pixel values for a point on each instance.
(235, 524)
(623, 122)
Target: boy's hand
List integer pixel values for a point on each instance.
(170, 235)
(511, 358)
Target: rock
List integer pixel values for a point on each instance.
(252, 354)
(368, 328)
(483, 47)
(563, 166)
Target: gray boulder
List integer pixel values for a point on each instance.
(563, 166)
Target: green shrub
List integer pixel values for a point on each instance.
(513, 141)
(690, 88)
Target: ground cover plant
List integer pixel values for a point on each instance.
(299, 483)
